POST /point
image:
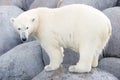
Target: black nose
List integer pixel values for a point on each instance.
(24, 39)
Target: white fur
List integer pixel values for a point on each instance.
(78, 27)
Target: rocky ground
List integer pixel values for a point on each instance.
(26, 61)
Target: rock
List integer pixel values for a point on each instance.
(23, 4)
(118, 3)
(70, 57)
(31, 38)
(113, 47)
(111, 65)
(6, 2)
(44, 3)
(99, 4)
(8, 36)
(21, 63)
(63, 74)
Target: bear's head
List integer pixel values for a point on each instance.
(25, 24)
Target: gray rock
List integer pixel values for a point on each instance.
(113, 47)
(44, 3)
(8, 36)
(70, 57)
(63, 74)
(31, 38)
(23, 4)
(99, 4)
(6, 2)
(21, 63)
(111, 65)
(118, 3)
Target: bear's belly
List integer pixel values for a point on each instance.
(69, 41)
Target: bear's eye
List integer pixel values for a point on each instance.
(19, 29)
(26, 27)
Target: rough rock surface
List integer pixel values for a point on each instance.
(44, 3)
(21, 63)
(111, 65)
(23, 4)
(8, 36)
(63, 74)
(113, 47)
(99, 4)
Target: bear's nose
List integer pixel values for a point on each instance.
(24, 39)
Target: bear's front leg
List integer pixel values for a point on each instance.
(95, 60)
(56, 57)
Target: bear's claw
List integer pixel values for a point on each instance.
(79, 69)
(50, 68)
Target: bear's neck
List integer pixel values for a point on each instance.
(42, 19)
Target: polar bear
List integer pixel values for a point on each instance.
(79, 27)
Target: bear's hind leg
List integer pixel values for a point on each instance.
(85, 62)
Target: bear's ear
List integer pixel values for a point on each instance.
(12, 20)
(33, 19)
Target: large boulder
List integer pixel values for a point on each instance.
(99, 4)
(70, 57)
(21, 63)
(111, 65)
(113, 47)
(23, 4)
(63, 74)
(44, 3)
(5, 2)
(8, 36)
